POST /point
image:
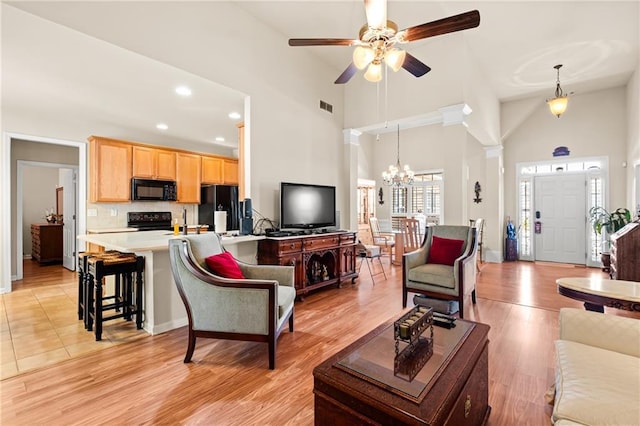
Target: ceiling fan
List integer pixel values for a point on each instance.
(377, 41)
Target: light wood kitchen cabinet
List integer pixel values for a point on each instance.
(188, 177)
(212, 169)
(154, 163)
(230, 172)
(109, 170)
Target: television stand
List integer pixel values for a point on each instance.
(320, 260)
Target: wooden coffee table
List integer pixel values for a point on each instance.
(358, 385)
(596, 293)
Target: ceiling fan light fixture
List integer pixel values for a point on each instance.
(558, 105)
(374, 72)
(362, 56)
(394, 58)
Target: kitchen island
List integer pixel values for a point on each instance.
(163, 308)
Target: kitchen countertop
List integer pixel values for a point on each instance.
(110, 230)
(149, 240)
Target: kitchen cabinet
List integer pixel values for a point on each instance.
(212, 170)
(188, 177)
(218, 170)
(153, 163)
(230, 172)
(109, 170)
(46, 242)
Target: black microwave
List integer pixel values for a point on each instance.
(153, 190)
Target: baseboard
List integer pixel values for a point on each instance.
(492, 256)
(167, 326)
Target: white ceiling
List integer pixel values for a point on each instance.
(516, 45)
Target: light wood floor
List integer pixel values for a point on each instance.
(229, 383)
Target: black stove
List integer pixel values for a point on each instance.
(149, 221)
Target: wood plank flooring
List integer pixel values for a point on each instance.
(229, 383)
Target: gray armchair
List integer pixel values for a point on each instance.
(440, 281)
(254, 309)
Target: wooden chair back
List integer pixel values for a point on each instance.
(411, 234)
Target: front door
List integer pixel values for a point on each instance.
(560, 229)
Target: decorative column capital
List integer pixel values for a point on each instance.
(351, 136)
(454, 114)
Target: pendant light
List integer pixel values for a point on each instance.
(396, 176)
(558, 105)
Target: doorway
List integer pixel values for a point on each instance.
(560, 225)
(11, 260)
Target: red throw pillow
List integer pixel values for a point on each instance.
(225, 265)
(445, 251)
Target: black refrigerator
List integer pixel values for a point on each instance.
(219, 197)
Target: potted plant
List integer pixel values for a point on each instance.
(610, 222)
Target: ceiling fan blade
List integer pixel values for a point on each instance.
(376, 11)
(415, 66)
(321, 42)
(451, 24)
(347, 74)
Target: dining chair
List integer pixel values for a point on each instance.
(411, 234)
(385, 240)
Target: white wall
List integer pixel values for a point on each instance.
(291, 138)
(595, 124)
(633, 142)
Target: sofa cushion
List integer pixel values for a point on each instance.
(432, 273)
(225, 265)
(596, 386)
(445, 251)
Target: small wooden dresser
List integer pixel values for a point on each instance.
(625, 253)
(46, 242)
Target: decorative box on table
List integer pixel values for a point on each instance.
(409, 329)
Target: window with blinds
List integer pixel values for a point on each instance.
(423, 197)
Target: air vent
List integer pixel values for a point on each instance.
(326, 106)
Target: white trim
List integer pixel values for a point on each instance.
(5, 203)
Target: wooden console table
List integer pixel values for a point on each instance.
(597, 293)
(320, 259)
(358, 385)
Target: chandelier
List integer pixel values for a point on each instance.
(397, 176)
(558, 105)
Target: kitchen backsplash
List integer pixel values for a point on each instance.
(115, 215)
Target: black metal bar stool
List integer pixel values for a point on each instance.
(116, 264)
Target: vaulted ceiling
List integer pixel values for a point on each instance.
(516, 45)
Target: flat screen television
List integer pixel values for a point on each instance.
(305, 206)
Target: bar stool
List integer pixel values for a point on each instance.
(116, 264)
(83, 278)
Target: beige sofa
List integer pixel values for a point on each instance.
(597, 369)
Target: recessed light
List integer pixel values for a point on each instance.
(234, 115)
(219, 139)
(162, 126)
(183, 91)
